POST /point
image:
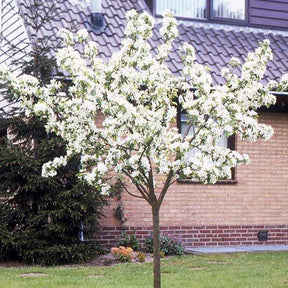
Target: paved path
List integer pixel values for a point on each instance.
(235, 249)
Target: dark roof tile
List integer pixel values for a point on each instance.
(214, 48)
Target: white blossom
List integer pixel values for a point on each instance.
(136, 95)
(82, 35)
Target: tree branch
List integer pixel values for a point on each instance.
(140, 188)
(133, 195)
(165, 188)
(151, 184)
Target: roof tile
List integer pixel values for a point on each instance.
(213, 47)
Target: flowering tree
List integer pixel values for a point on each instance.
(138, 96)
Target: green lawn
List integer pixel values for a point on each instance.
(255, 270)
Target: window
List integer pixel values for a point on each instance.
(183, 8)
(203, 9)
(224, 141)
(228, 9)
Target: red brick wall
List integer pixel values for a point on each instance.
(196, 236)
(258, 200)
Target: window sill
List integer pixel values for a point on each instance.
(220, 182)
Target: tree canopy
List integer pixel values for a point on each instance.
(140, 98)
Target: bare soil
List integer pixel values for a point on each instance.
(12, 264)
(25, 275)
(103, 260)
(109, 260)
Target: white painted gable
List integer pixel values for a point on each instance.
(13, 34)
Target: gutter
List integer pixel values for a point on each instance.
(279, 93)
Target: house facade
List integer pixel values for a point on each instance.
(251, 208)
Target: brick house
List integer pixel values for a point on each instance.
(251, 208)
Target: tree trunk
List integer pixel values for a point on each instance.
(156, 247)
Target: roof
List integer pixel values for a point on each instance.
(73, 16)
(214, 47)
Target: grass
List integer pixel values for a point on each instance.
(245, 270)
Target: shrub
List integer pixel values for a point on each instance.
(60, 254)
(168, 245)
(41, 218)
(122, 253)
(162, 254)
(141, 257)
(129, 240)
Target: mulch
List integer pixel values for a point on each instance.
(103, 260)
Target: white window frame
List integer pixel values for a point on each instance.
(204, 13)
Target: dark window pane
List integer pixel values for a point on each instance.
(229, 9)
(183, 8)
